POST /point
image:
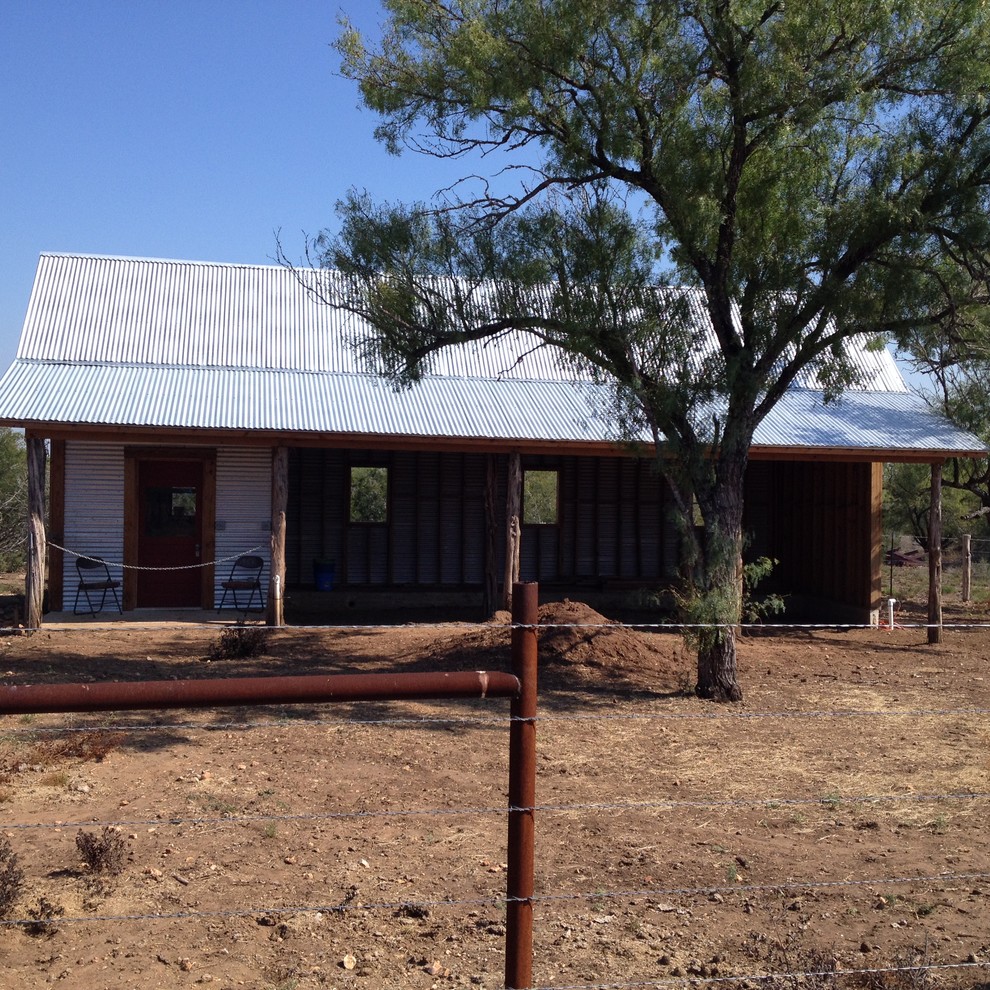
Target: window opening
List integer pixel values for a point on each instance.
(540, 502)
(369, 495)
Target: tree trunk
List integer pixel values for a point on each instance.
(717, 670)
(718, 602)
(935, 557)
(513, 511)
(34, 581)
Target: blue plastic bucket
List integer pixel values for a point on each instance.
(324, 572)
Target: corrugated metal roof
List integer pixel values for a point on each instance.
(92, 309)
(237, 399)
(145, 342)
(883, 421)
(331, 402)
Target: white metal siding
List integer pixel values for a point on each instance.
(244, 510)
(94, 509)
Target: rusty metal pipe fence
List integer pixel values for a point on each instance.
(520, 686)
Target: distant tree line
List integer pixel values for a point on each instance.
(955, 360)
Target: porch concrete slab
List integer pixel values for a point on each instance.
(153, 618)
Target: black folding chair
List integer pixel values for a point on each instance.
(94, 576)
(245, 577)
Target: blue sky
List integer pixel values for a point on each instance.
(188, 129)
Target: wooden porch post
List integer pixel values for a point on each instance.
(935, 556)
(967, 574)
(513, 528)
(34, 582)
(56, 523)
(280, 500)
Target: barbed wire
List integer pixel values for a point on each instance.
(756, 888)
(763, 978)
(137, 567)
(828, 801)
(790, 884)
(490, 721)
(348, 904)
(70, 627)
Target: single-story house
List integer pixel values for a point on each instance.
(195, 412)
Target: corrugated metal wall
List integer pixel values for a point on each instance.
(613, 522)
(820, 522)
(94, 509)
(243, 515)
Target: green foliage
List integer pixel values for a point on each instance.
(812, 173)
(369, 495)
(907, 504)
(957, 360)
(756, 609)
(13, 500)
(540, 497)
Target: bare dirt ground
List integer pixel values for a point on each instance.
(835, 820)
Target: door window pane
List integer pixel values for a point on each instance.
(170, 511)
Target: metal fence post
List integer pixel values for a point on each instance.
(522, 791)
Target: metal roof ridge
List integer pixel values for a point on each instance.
(96, 256)
(855, 387)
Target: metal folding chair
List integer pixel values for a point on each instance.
(94, 576)
(245, 576)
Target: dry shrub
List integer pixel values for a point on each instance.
(11, 878)
(239, 642)
(105, 853)
(907, 971)
(88, 747)
(44, 915)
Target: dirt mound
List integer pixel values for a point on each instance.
(580, 646)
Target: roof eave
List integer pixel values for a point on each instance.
(598, 448)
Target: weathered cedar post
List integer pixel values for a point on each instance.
(513, 529)
(34, 582)
(967, 574)
(935, 556)
(489, 601)
(280, 501)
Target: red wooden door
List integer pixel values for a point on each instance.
(170, 533)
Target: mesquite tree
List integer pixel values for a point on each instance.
(806, 172)
(955, 357)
